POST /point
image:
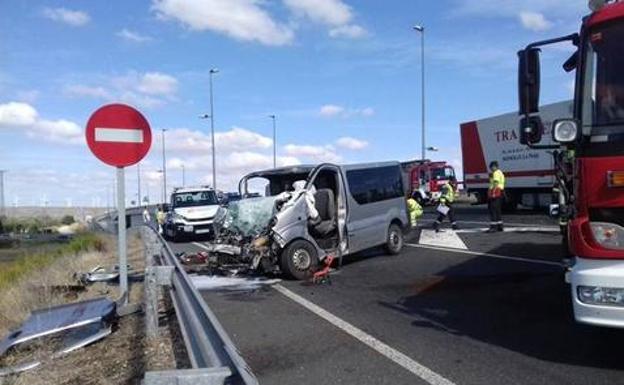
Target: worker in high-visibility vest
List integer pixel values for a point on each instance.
(414, 209)
(160, 219)
(496, 194)
(445, 209)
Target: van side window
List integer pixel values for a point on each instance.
(375, 184)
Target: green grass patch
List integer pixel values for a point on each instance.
(36, 259)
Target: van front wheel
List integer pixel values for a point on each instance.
(299, 260)
(394, 242)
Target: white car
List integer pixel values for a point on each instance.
(191, 213)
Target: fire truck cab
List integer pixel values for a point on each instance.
(589, 155)
(428, 177)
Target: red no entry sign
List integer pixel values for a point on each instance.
(118, 135)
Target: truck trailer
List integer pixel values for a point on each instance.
(529, 171)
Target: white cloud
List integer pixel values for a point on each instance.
(140, 100)
(58, 131)
(240, 139)
(333, 13)
(23, 116)
(330, 12)
(349, 31)
(330, 110)
(243, 20)
(513, 8)
(368, 111)
(67, 16)
(145, 90)
(132, 36)
(16, 114)
(185, 140)
(325, 153)
(333, 110)
(78, 90)
(156, 83)
(351, 143)
(534, 21)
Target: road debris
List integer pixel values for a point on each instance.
(101, 274)
(219, 283)
(77, 324)
(322, 276)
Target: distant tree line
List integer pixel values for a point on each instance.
(32, 224)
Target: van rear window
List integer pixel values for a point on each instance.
(375, 184)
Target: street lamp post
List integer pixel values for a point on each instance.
(2, 209)
(183, 177)
(164, 169)
(273, 117)
(421, 29)
(212, 133)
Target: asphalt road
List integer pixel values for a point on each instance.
(497, 312)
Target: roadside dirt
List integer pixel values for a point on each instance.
(121, 358)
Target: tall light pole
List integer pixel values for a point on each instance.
(2, 207)
(212, 133)
(274, 142)
(164, 169)
(421, 29)
(183, 177)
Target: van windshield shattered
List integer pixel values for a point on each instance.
(247, 217)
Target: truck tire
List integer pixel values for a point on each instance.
(299, 260)
(394, 239)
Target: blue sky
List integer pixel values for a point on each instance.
(342, 76)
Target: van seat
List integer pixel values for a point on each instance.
(325, 204)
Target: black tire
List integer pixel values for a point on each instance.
(299, 260)
(394, 240)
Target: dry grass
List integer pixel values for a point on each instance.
(121, 358)
(36, 285)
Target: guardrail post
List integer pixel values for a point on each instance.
(155, 277)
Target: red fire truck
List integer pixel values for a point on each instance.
(428, 177)
(589, 158)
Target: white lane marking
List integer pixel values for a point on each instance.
(387, 351)
(202, 246)
(445, 238)
(522, 225)
(528, 229)
(118, 135)
(479, 254)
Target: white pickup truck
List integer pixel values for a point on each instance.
(191, 213)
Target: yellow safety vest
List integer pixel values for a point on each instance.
(414, 210)
(497, 180)
(449, 194)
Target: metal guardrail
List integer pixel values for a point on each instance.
(212, 354)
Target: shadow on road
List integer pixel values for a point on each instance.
(525, 309)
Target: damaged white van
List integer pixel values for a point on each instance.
(308, 213)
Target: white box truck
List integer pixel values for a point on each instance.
(529, 172)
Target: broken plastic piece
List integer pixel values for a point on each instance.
(84, 322)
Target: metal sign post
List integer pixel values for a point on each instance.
(121, 235)
(119, 136)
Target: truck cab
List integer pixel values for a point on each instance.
(428, 177)
(191, 212)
